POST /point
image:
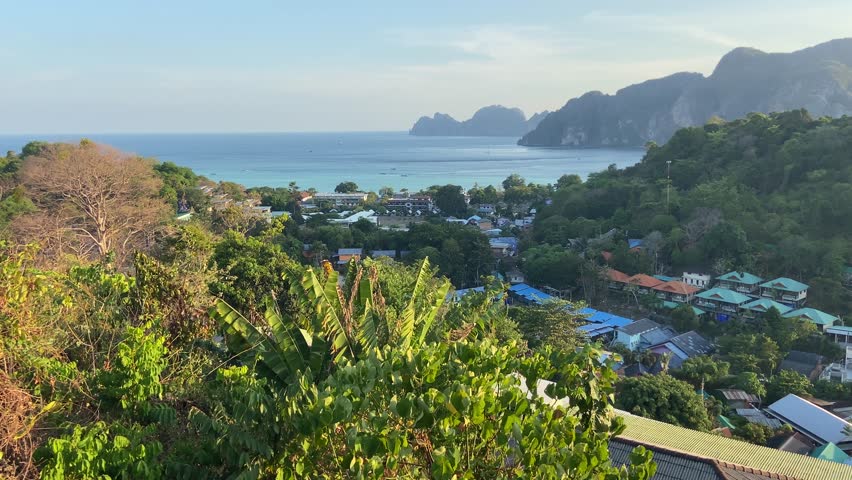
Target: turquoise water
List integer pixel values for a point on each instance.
(370, 159)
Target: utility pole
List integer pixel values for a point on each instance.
(668, 182)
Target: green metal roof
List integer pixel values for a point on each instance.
(673, 305)
(764, 304)
(741, 277)
(786, 284)
(817, 316)
(840, 328)
(725, 422)
(830, 452)
(665, 278)
(728, 450)
(698, 311)
(724, 295)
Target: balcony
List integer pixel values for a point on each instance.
(705, 303)
(729, 308)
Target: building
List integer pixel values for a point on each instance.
(754, 415)
(817, 317)
(722, 302)
(527, 295)
(839, 334)
(344, 255)
(699, 280)
(410, 203)
(841, 371)
(785, 290)
(616, 280)
(644, 283)
(504, 246)
(831, 453)
(486, 209)
(684, 454)
(642, 334)
(682, 347)
(515, 276)
(739, 399)
(338, 199)
(821, 426)
(676, 291)
(367, 215)
(759, 306)
(383, 253)
(806, 363)
(742, 282)
(601, 323)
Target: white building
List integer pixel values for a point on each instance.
(338, 199)
(699, 280)
(841, 371)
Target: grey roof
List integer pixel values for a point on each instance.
(640, 326)
(692, 344)
(803, 362)
(670, 466)
(350, 251)
(656, 336)
(810, 420)
(383, 253)
(754, 415)
(795, 443)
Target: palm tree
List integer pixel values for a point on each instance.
(344, 321)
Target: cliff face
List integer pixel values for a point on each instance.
(493, 121)
(746, 80)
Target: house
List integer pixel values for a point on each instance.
(383, 253)
(601, 323)
(682, 347)
(812, 421)
(617, 280)
(758, 307)
(742, 282)
(722, 302)
(638, 369)
(786, 290)
(368, 215)
(806, 363)
(699, 280)
(644, 283)
(643, 333)
(344, 255)
(839, 334)
(676, 291)
(753, 415)
(338, 199)
(486, 209)
(738, 399)
(793, 442)
(634, 243)
(515, 276)
(817, 317)
(504, 246)
(840, 371)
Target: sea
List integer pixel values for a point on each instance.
(371, 159)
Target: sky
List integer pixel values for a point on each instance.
(270, 66)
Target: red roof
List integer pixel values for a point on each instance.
(676, 286)
(607, 256)
(617, 276)
(643, 280)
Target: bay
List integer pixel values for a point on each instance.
(370, 159)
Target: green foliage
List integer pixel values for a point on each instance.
(552, 324)
(134, 377)
(450, 200)
(702, 370)
(750, 352)
(786, 382)
(663, 397)
(750, 383)
(346, 187)
(551, 265)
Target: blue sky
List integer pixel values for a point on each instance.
(210, 66)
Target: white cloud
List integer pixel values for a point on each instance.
(657, 23)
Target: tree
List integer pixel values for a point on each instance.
(513, 181)
(552, 324)
(551, 265)
(92, 200)
(665, 398)
(450, 200)
(684, 318)
(386, 192)
(566, 181)
(750, 352)
(786, 382)
(750, 382)
(346, 187)
(701, 370)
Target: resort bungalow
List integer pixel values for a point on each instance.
(723, 302)
(839, 334)
(785, 290)
(742, 282)
(344, 255)
(817, 317)
(644, 283)
(676, 291)
(617, 280)
(760, 306)
(642, 334)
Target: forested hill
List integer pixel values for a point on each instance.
(746, 80)
(768, 194)
(492, 121)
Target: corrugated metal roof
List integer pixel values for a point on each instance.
(640, 326)
(806, 417)
(816, 316)
(741, 277)
(786, 284)
(728, 451)
(764, 304)
(735, 394)
(724, 295)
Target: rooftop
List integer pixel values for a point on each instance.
(692, 344)
(741, 277)
(764, 304)
(529, 293)
(643, 280)
(786, 284)
(724, 295)
(617, 276)
(727, 452)
(350, 251)
(809, 419)
(677, 287)
(816, 316)
(830, 452)
(639, 327)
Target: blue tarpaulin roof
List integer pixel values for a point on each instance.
(529, 293)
